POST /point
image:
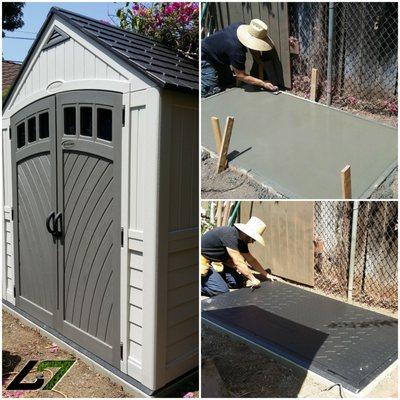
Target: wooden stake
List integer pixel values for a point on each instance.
(219, 213)
(217, 132)
(314, 84)
(346, 182)
(226, 213)
(222, 159)
(212, 212)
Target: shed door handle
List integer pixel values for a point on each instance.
(50, 219)
(58, 225)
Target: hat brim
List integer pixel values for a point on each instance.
(254, 235)
(252, 42)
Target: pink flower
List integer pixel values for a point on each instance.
(168, 10)
(391, 106)
(188, 395)
(13, 393)
(352, 100)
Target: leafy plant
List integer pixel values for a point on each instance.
(175, 25)
(12, 16)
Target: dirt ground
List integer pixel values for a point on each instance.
(232, 184)
(249, 373)
(22, 343)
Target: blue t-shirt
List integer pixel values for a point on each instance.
(223, 48)
(215, 242)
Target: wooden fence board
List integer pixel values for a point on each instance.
(289, 250)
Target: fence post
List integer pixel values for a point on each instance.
(354, 224)
(331, 22)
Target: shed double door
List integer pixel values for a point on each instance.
(66, 203)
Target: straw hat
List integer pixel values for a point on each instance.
(254, 228)
(255, 36)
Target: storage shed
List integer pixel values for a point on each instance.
(100, 198)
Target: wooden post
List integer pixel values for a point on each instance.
(346, 182)
(314, 84)
(212, 212)
(219, 213)
(222, 158)
(217, 132)
(226, 213)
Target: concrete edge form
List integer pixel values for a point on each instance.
(362, 393)
(129, 384)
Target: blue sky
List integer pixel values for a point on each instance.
(34, 16)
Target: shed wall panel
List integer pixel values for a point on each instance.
(67, 61)
(135, 334)
(137, 117)
(137, 184)
(8, 244)
(9, 254)
(183, 167)
(7, 189)
(180, 132)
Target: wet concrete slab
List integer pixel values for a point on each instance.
(298, 147)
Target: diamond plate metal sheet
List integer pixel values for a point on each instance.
(341, 342)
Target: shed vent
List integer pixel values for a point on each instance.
(56, 37)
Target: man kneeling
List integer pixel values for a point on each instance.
(225, 257)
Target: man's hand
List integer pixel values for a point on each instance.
(253, 283)
(251, 80)
(269, 86)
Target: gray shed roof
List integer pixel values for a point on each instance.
(161, 64)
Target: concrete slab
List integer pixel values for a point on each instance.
(298, 147)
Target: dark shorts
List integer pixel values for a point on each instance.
(215, 79)
(217, 283)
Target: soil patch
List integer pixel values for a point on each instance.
(248, 373)
(230, 184)
(22, 343)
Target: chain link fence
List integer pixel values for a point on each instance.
(332, 238)
(370, 276)
(364, 54)
(374, 272)
(375, 267)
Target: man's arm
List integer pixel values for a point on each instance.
(243, 77)
(254, 263)
(240, 263)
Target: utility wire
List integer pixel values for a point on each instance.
(16, 37)
(30, 33)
